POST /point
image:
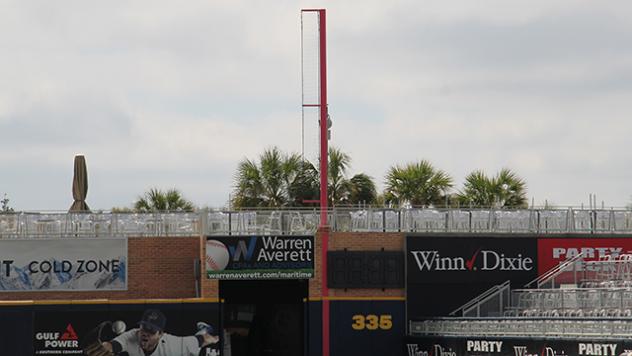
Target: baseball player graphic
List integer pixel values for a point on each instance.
(150, 339)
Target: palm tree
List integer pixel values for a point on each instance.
(277, 180)
(478, 190)
(418, 184)
(505, 189)
(4, 205)
(512, 190)
(342, 191)
(287, 180)
(303, 184)
(362, 189)
(273, 167)
(339, 187)
(248, 187)
(157, 200)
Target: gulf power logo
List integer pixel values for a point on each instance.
(57, 340)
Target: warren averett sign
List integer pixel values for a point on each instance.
(259, 257)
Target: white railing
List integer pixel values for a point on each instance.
(587, 299)
(562, 272)
(615, 328)
(306, 221)
(569, 302)
(491, 302)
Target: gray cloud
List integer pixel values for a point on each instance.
(165, 94)
(75, 122)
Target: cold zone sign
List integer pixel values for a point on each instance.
(259, 257)
(63, 265)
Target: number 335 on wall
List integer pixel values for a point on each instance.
(372, 322)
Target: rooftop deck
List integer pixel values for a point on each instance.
(298, 222)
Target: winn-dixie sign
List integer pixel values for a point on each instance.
(61, 265)
(259, 257)
(469, 259)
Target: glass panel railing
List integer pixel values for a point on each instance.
(307, 221)
(9, 225)
(519, 221)
(581, 327)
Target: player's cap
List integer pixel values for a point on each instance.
(153, 320)
(204, 328)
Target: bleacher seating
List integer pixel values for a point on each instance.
(597, 304)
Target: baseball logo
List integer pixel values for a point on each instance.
(217, 256)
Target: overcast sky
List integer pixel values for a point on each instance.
(174, 94)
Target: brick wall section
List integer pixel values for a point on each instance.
(314, 283)
(355, 241)
(367, 241)
(158, 267)
(162, 267)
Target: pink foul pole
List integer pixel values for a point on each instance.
(324, 158)
(324, 229)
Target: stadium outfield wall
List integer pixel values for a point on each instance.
(368, 274)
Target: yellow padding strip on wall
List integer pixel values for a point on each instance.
(16, 302)
(377, 299)
(107, 301)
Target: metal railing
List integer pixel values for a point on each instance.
(576, 298)
(491, 302)
(615, 328)
(559, 274)
(567, 302)
(306, 221)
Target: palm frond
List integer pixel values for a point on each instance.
(418, 183)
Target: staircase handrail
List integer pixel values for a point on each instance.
(499, 288)
(555, 271)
